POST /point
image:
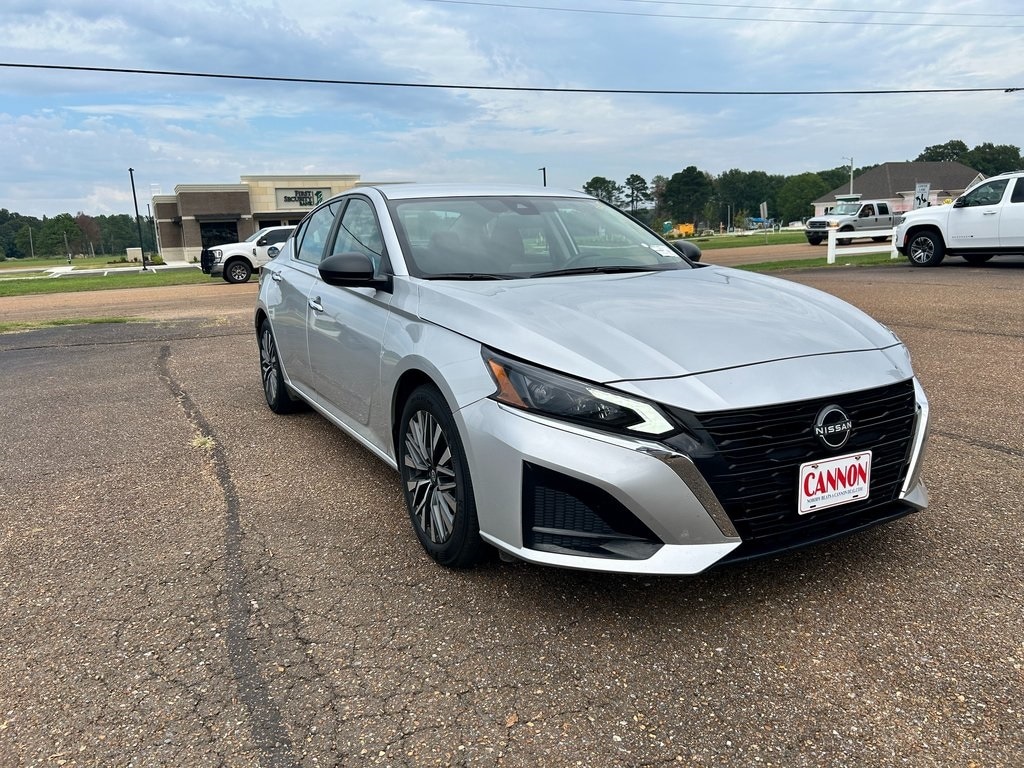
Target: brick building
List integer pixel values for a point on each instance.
(199, 215)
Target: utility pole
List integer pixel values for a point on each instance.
(544, 171)
(138, 219)
(851, 173)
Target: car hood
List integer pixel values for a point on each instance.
(651, 325)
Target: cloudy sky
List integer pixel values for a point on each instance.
(69, 137)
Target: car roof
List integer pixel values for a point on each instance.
(418, 191)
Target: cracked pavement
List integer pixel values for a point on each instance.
(187, 579)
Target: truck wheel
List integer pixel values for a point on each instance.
(976, 258)
(844, 240)
(814, 240)
(925, 249)
(237, 271)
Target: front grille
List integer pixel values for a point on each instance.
(817, 225)
(754, 457)
(568, 516)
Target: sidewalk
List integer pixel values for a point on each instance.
(71, 269)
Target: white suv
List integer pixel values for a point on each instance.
(236, 262)
(985, 221)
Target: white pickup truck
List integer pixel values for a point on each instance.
(236, 262)
(985, 221)
(849, 216)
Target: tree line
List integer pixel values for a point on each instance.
(80, 235)
(698, 197)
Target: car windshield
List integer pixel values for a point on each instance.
(845, 209)
(487, 238)
(256, 235)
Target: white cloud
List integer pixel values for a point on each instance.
(70, 137)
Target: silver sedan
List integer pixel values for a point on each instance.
(552, 379)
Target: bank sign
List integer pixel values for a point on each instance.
(301, 198)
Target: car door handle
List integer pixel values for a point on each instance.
(990, 213)
(275, 276)
(315, 305)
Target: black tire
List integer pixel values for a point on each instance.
(435, 481)
(844, 240)
(814, 240)
(279, 399)
(976, 258)
(925, 248)
(237, 271)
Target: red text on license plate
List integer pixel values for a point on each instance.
(834, 481)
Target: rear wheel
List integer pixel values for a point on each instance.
(237, 271)
(274, 388)
(976, 258)
(925, 249)
(435, 480)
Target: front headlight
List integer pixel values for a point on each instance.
(833, 223)
(529, 388)
(218, 254)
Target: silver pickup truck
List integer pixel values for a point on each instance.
(849, 216)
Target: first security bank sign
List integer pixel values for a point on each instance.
(301, 198)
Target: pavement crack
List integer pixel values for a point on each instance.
(1017, 453)
(268, 731)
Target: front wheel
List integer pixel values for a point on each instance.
(436, 482)
(814, 240)
(976, 258)
(237, 271)
(925, 249)
(844, 240)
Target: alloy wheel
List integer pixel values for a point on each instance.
(430, 477)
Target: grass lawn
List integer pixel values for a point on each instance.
(860, 260)
(785, 237)
(70, 283)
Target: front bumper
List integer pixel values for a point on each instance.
(555, 494)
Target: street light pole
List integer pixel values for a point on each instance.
(851, 173)
(544, 171)
(138, 220)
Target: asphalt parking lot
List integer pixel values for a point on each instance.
(189, 580)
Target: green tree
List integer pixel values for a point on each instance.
(637, 192)
(24, 242)
(991, 159)
(797, 194)
(950, 152)
(51, 240)
(686, 194)
(604, 189)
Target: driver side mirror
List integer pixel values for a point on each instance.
(352, 270)
(959, 203)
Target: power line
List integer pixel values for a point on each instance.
(504, 88)
(804, 8)
(694, 17)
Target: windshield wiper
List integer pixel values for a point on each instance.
(468, 276)
(605, 270)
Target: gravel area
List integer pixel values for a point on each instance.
(187, 579)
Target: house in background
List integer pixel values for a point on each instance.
(896, 183)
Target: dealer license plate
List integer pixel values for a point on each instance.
(834, 481)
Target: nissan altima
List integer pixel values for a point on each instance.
(552, 379)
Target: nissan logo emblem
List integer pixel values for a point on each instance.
(833, 426)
